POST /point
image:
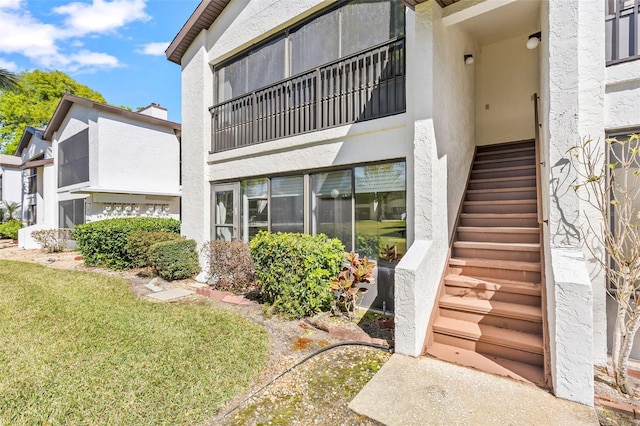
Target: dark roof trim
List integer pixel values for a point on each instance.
(68, 100)
(36, 163)
(26, 137)
(201, 18)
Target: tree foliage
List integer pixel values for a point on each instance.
(8, 80)
(33, 101)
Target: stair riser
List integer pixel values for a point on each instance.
(499, 237)
(491, 174)
(489, 349)
(505, 146)
(500, 208)
(527, 222)
(522, 256)
(510, 195)
(496, 321)
(505, 155)
(501, 274)
(481, 165)
(495, 295)
(520, 183)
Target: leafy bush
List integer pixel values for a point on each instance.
(139, 242)
(174, 260)
(368, 245)
(52, 240)
(347, 285)
(294, 270)
(229, 265)
(10, 229)
(104, 243)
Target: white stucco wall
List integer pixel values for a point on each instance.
(135, 156)
(507, 76)
(565, 71)
(11, 184)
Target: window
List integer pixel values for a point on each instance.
(381, 227)
(31, 176)
(363, 206)
(621, 28)
(73, 160)
(31, 214)
(71, 213)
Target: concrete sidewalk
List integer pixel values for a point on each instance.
(426, 391)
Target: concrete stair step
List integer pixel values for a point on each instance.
(508, 182)
(507, 162)
(498, 234)
(490, 364)
(502, 172)
(501, 206)
(528, 220)
(491, 307)
(524, 193)
(488, 334)
(513, 152)
(520, 252)
(506, 146)
(496, 264)
(491, 284)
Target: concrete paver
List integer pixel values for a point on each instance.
(168, 295)
(426, 391)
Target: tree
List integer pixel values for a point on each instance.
(33, 102)
(610, 182)
(12, 209)
(8, 80)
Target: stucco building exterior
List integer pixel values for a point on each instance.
(96, 161)
(10, 179)
(379, 123)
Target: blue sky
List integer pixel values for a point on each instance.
(116, 47)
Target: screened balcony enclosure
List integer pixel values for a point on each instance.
(343, 66)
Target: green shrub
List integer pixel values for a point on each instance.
(10, 229)
(139, 242)
(175, 260)
(229, 265)
(294, 271)
(104, 243)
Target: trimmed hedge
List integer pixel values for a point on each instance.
(175, 260)
(10, 229)
(294, 271)
(139, 243)
(104, 243)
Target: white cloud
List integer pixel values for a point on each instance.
(10, 4)
(100, 16)
(8, 65)
(53, 46)
(156, 48)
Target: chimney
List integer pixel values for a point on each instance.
(154, 110)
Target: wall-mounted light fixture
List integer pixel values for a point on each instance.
(468, 59)
(534, 40)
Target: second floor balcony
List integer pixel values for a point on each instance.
(366, 85)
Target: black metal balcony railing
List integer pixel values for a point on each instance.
(621, 26)
(369, 84)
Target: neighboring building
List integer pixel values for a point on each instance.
(96, 161)
(382, 121)
(10, 179)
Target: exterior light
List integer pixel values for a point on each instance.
(468, 59)
(534, 40)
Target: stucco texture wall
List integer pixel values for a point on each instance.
(507, 76)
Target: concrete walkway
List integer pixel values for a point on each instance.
(426, 391)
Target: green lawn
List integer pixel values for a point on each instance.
(79, 348)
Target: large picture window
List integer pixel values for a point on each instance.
(73, 159)
(363, 206)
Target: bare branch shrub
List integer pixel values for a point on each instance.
(229, 265)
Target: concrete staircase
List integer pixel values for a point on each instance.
(489, 315)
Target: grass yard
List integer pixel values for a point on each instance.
(79, 348)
